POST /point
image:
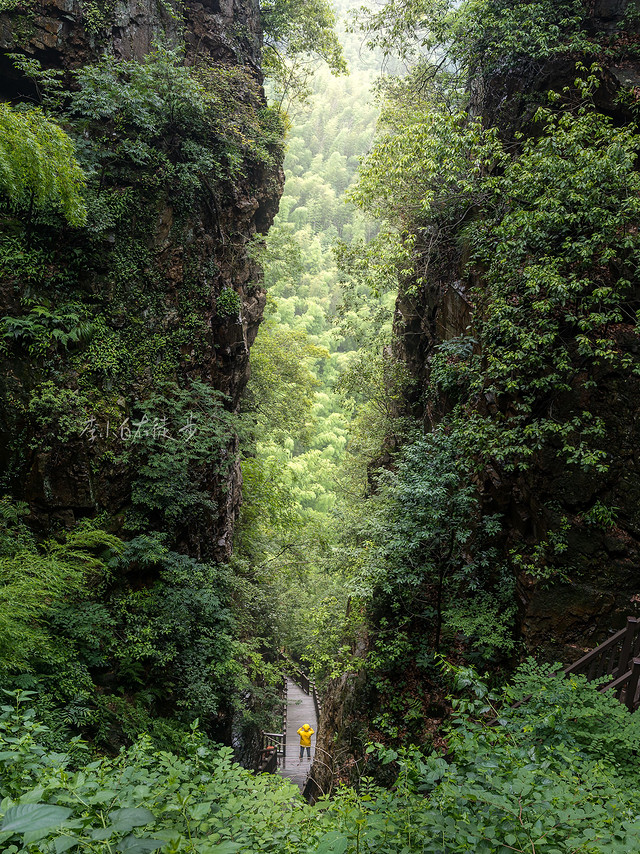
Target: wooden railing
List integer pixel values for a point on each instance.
(302, 680)
(316, 701)
(275, 740)
(283, 694)
(618, 658)
(274, 744)
(309, 688)
(267, 761)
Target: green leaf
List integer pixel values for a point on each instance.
(64, 843)
(134, 845)
(31, 836)
(128, 818)
(200, 811)
(102, 797)
(25, 817)
(333, 843)
(102, 833)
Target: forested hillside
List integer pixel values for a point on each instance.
(302, 473)
(503, 178)
(319, 343)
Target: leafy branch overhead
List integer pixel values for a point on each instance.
(296, 36)
(477, 37)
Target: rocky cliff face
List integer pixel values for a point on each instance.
(67, 34)
(138, 325)
(603, 554)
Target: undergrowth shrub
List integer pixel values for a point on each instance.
(502, 788)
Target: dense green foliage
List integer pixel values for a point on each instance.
(74, 621)
(36, 581)
(170, 490)
(557, 776)
(38, 168)
(483, 36)
(543, 232)
(434, 560)
(558, 263)
(188, 125)
(115, 332)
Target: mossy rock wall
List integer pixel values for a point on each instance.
(156, 301)
(602, 586)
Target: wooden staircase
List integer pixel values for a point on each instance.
(619, 659)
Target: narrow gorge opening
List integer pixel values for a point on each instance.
(383, 453)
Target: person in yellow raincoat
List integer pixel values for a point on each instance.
(305, 732)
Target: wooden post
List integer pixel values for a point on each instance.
(627, 644)
(632, 685)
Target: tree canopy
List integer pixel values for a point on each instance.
(297, 35)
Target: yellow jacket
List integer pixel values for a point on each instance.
(305, 732)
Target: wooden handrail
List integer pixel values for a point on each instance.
(279, 739)
(598, 650)
(284, 720)
(632, 686)
(316, 701)
(618, 683)
(625, 675)
(627, 684)
(302, 680)
(617, 657)
(268, 761)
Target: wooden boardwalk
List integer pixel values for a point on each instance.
(300, 710)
